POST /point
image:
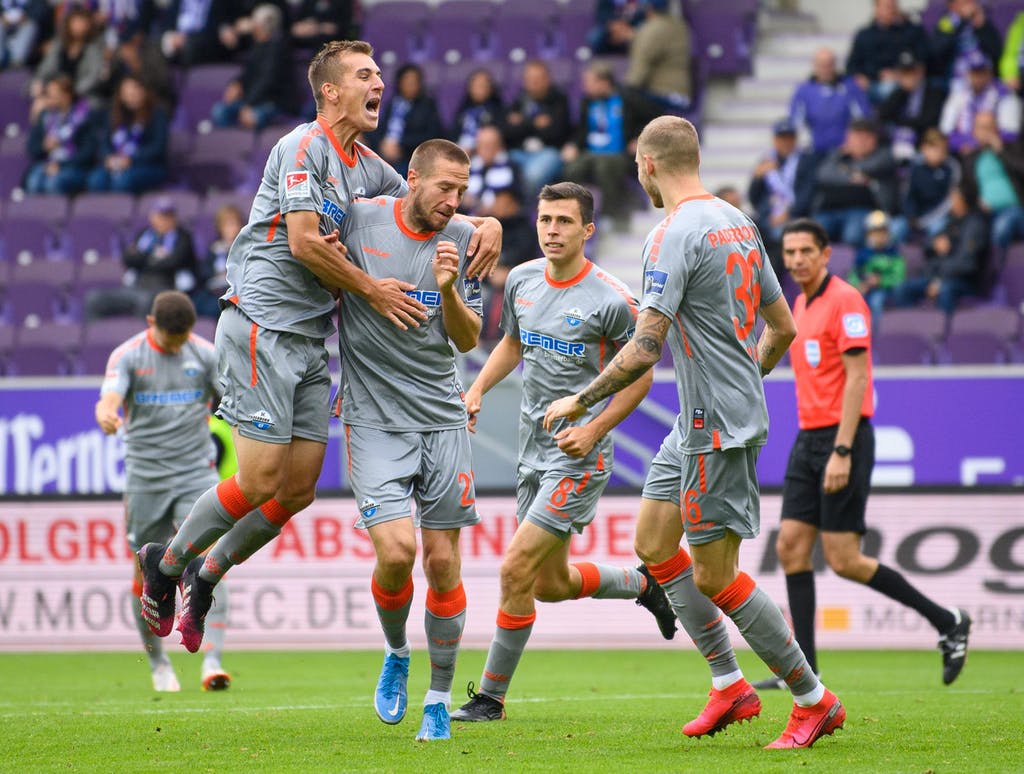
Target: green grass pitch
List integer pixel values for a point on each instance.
(574, 711)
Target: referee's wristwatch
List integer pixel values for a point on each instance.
(842, 451)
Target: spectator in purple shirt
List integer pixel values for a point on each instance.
(826, 103)
(982, 94)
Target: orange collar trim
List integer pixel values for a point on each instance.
(419, 236)
(348, 161)
(587, 266)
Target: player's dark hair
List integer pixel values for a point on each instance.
(562, 191)
(173, 312)
(807, 226)
(325, 66)
(428, 153)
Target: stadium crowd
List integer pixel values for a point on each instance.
(140, 129)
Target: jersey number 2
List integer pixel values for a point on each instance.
(748, 292)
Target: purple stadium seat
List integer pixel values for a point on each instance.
(57, 274)
(92, 359)
(66, 335)
(6, 339)
(397, 10)
(96, 236)
(976, 347)
(38, 360)
(216, 199)
(931, 14)
(532, 38)
(541, 10)
(998, 320)
(842, 259)
(14, 145)
(111, 331)
(205, 327)
(204, 85)
(33, 301)
(398, 39)
(724, 32)
(580, 8)
(478, 10)
(470, 37)
(40, 208)
(1012, 276)
(108, 207)
(28, 235)
(229, 143)
(902, 349)
(913, 256)
(12, 170)
(205, 175)
(929, 323)
(101, 272)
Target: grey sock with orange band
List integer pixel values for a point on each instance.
(253, 531)
(698, 615)
(444, 621)
(605, 581)
(510, 638)
(216, 511)
(761, 623)
(393, 612)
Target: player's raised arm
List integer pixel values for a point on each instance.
(326, 257)
(633, 360)
(485, 245)
(461, 323)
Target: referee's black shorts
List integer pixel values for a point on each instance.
(803, 496)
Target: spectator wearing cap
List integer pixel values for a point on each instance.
(994, 175)
(264, 89)
(491, 170)
(826, 103)
(1011, 63)
(600, 149)
(913, 106)
(878, 267)
(956, 259)
(873, 59)
(982, 94)
(659, 59)
(781, 187)
(856, 178)
(962, 30)
(134, 147)
(61, 142)
(161, 257)
(929, 180)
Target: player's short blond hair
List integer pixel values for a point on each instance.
(672, 143)
(326, 67)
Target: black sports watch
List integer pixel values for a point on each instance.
(843, 451)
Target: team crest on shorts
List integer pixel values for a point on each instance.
(574, 317)
(262, 420)
(369, 507)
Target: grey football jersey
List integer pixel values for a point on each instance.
(306, 171)
(706, 268)
(405, 381)
(166, 410)
(568, 332)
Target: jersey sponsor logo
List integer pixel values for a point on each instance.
(369, 507)
(296, 185)
(429, 298)
(144, 371)
(812, 351)
(333, 211)
(698, 419)
(374, 251)
(551, 344)
(471, 288)
(654, 281)
(855, 325)
(172, 398)
(523, 301)
(573, 318)
(262, 420)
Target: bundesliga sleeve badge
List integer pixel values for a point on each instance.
(296, 185)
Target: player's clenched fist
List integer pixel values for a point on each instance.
(446, 264)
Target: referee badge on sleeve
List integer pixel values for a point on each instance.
(855, 325)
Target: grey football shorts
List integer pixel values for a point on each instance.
(274, 386)
(154, 517)
(717, 492)
(389, 470)
(560, 501)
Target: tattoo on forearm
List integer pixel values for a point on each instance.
(632, 361)
(766, 353)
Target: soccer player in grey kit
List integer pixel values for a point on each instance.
(283, 270)
(405, 419)
(162, 380)
(563, 318)
(706, 277)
